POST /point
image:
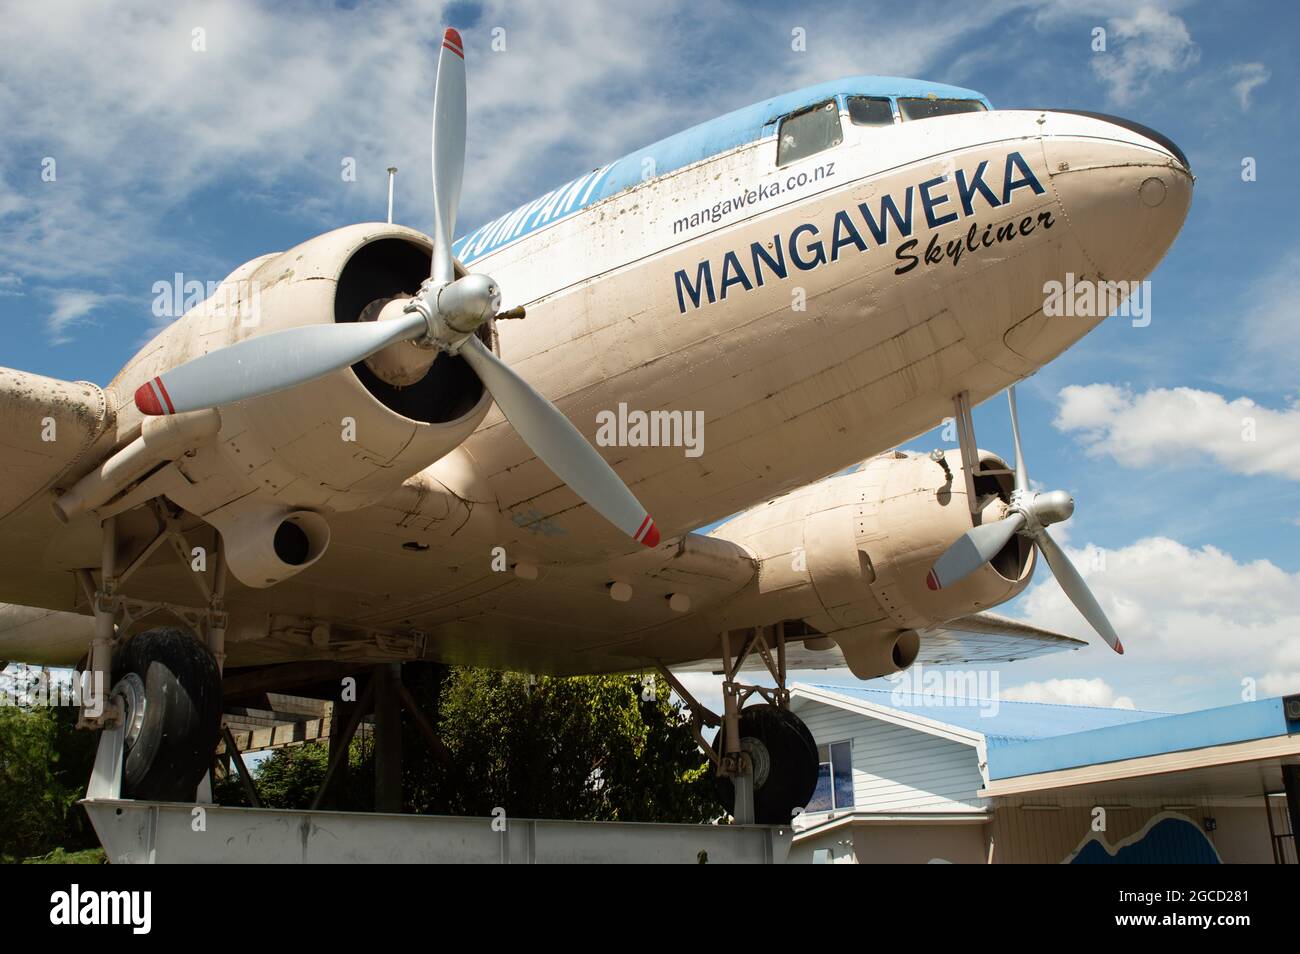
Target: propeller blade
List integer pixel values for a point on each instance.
(1076, 589)
(448, 152)
(972, 550)
(1022, 473)
(560, 445)
(269, 363)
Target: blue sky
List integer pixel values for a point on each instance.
(171, 159)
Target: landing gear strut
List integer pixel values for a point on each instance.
(765, 756)
(162, 717)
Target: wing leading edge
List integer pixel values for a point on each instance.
(982, 638)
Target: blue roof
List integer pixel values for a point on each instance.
(1027, 738)
(1001, 722)
(1243, 722)
(722, 134)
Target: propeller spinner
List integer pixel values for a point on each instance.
(1029, 514)
(445, 313)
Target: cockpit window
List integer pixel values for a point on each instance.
(927, 108)
(870, 111)
(811, 131)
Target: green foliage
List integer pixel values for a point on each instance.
(291, 776)
(45, 763)
(584, 747)
(87, 856)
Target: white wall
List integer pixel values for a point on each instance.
(897, 769)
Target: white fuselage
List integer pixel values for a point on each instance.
(860, 345)
(801, 318)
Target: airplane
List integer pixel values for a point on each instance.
(355, 450)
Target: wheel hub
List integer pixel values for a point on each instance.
(130, 689)
(760, 759)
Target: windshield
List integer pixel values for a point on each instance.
(927, 108)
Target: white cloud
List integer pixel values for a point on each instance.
(1185, 609)
(1141, 47)
(1248, 76)
(273, 105)
(281, 95)
(1141, 429)
(1068, 692)
(1279, 684)
(71, 307)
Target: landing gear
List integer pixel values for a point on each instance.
(170, 688)
(783, 758)
(765, 756)
(162, 718)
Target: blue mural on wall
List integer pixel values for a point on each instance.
(1166, 839)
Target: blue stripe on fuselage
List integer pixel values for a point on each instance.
(712, 138)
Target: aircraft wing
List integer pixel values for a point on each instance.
(51, 432)
(978, 639)
(46, 427)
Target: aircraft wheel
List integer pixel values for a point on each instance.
(171, 690)
(784, 757)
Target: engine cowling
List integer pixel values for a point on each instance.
(264, 543)
(849, 555)
(338, 443)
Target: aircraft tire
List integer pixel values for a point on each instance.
(171, 686)
(785, 763)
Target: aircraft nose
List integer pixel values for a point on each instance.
(1124, 188)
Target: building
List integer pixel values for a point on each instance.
(929, 778)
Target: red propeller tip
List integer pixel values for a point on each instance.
(931, 580)
(151, 398)
(1119, 647)
(451, 41)
(647, 533)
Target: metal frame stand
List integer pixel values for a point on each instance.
(114, 611)
(734, 762)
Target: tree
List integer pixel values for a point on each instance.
(599, 748)
(588, 747)
(291, 776)
(45, 763)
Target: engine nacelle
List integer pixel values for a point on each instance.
(264, 544)
(340, 442)
(849, 555)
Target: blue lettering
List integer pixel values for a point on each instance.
(845, 233)
(778, 265)
(966, 190)
(1009, 185)
(733, 274)
(888, 208)
(703, 282)
(819, 257)
(928, 202)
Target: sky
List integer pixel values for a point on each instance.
(142, 141)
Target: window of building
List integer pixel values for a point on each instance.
(809, 132)
(870, 111)
(834, 778)
(927, 108)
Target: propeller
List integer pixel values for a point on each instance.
(446, 312)
(1029, 514)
